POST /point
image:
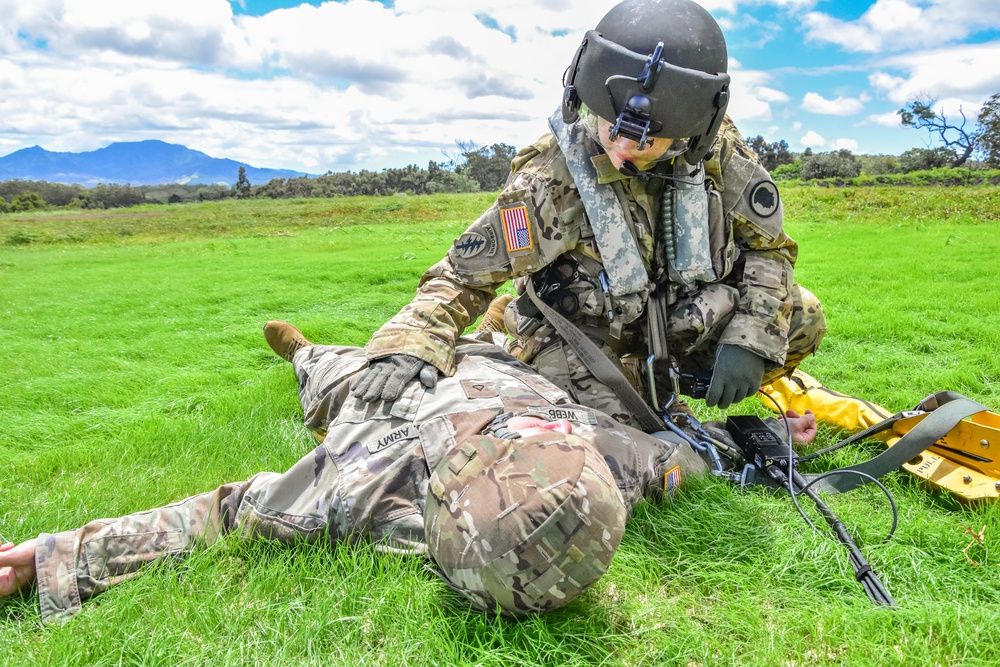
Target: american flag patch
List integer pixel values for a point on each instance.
(516, 230)
(672, 479)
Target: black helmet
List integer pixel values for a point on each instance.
(656, 68)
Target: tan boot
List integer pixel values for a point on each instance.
(493, 319)
(284, 339)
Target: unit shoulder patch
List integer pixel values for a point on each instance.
(470, 244)
(764, 198)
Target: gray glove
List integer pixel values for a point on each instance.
(737, 374)
(385, 378)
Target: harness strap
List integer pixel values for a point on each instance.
(930, 429)
(598, 364)
(619, 252)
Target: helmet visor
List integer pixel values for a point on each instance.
(682, 102)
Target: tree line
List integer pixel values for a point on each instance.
(476, 168)
(485, 168)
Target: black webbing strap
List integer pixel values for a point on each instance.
(930, 429)
(883, 425)
(599, 365)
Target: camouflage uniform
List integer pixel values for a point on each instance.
(369, 477)
(748, 298)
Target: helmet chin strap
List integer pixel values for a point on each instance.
(629, 169)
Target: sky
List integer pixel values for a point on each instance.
(365, 84)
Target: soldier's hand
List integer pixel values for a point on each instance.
(803, 427)
(737, 374)
(385, 378)
(17, 566)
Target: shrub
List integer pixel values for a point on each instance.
(21, 237)
(787, 172)
(841, 164)
(880, 164)
(922, 159)
(27, 201)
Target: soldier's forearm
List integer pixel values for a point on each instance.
(764, 311)
(429, 326)
(75, 565)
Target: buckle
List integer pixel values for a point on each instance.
(498, 428)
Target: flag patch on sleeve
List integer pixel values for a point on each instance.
(516, 230)
(672, 479)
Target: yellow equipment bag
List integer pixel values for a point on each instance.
(962, 456)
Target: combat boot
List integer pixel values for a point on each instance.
(493, 319)
(284, 339)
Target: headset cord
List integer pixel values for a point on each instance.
(793, 480)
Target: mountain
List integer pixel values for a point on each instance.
(132, 162)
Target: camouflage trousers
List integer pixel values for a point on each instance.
(695, 325)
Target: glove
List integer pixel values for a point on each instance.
(737, 374)
(385, 378)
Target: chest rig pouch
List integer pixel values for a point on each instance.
(686, 226)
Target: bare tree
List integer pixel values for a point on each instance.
(920, 114)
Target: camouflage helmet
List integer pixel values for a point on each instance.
(654, 68)
(524, 525)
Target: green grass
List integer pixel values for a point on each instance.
(135, 374)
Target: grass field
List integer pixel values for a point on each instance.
(134, 374)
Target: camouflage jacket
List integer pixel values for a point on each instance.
(538, 221)
(368, 478)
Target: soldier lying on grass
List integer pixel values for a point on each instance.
(518, 496)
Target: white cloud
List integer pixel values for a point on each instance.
(343, 85)
(716, 6)
(352, 84)
(200, 32)
(842, 106)
(849, 144)
(961, 75)
(888, 119)
(896, 25)
(812, 140)
(790, 4)
(752, 94)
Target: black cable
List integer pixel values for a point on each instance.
(832, 473)
(870, 478)
(863, 571)
(791, 462)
